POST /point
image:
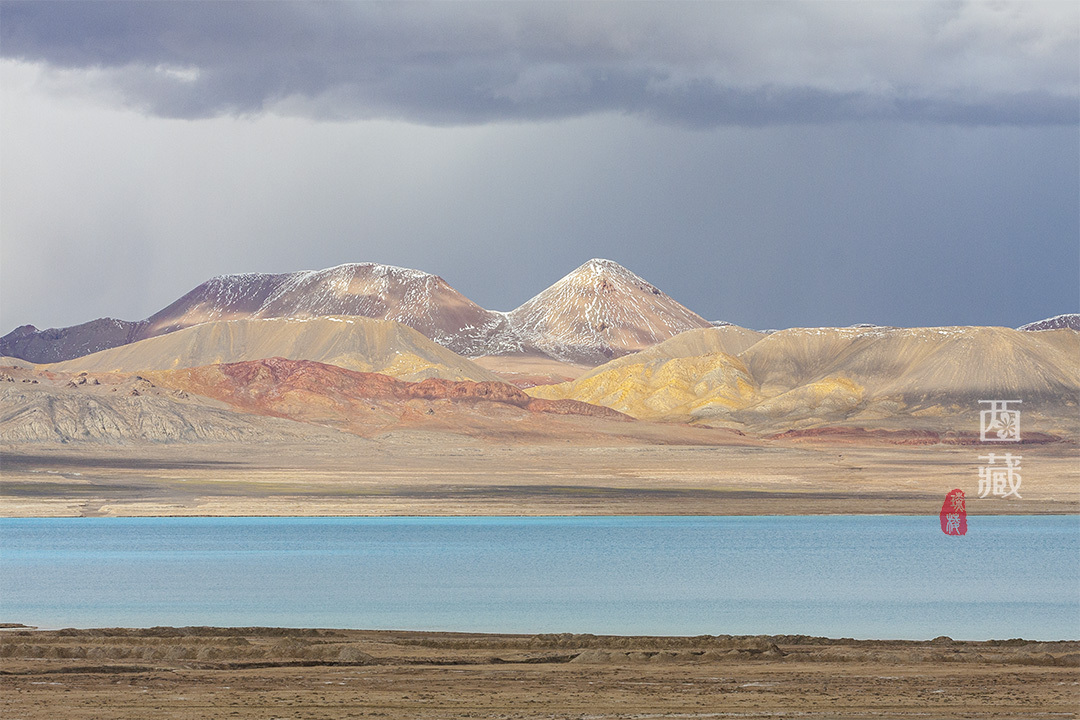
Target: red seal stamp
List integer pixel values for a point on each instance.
(954, 514)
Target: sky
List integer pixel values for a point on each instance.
(771, 164)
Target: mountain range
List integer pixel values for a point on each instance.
(368, 348)
(599, 311)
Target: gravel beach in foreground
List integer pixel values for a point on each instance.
(290, 673)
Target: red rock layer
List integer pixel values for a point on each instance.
(262, 385)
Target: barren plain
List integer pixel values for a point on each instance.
(426, 473)
(281, 673)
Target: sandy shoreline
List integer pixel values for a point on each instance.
(283, 673)
(419, 475)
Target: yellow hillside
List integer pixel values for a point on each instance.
(808, 376)
(353, 343)
(660, 388)
(727, 339)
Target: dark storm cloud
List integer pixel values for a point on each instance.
(701, 65)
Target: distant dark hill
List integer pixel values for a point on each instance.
(56, 344)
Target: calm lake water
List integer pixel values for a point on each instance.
(840, 576)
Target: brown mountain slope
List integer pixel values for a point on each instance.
(920, 365)
(275, 403)
(1064, 339)
(349, 342)
(14, 362)
(420, 300)
(598, 312)
(530, 370)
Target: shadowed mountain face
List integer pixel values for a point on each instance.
(56, 344)
(1068, 320)
(599, 311)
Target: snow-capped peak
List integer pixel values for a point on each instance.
(599, 267)
(599, 311)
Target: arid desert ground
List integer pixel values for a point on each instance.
(266, 673)
(420, 474)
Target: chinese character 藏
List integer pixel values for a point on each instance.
(1000, 480)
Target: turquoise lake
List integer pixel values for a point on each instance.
(838, 576)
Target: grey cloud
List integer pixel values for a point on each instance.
(700, 65)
